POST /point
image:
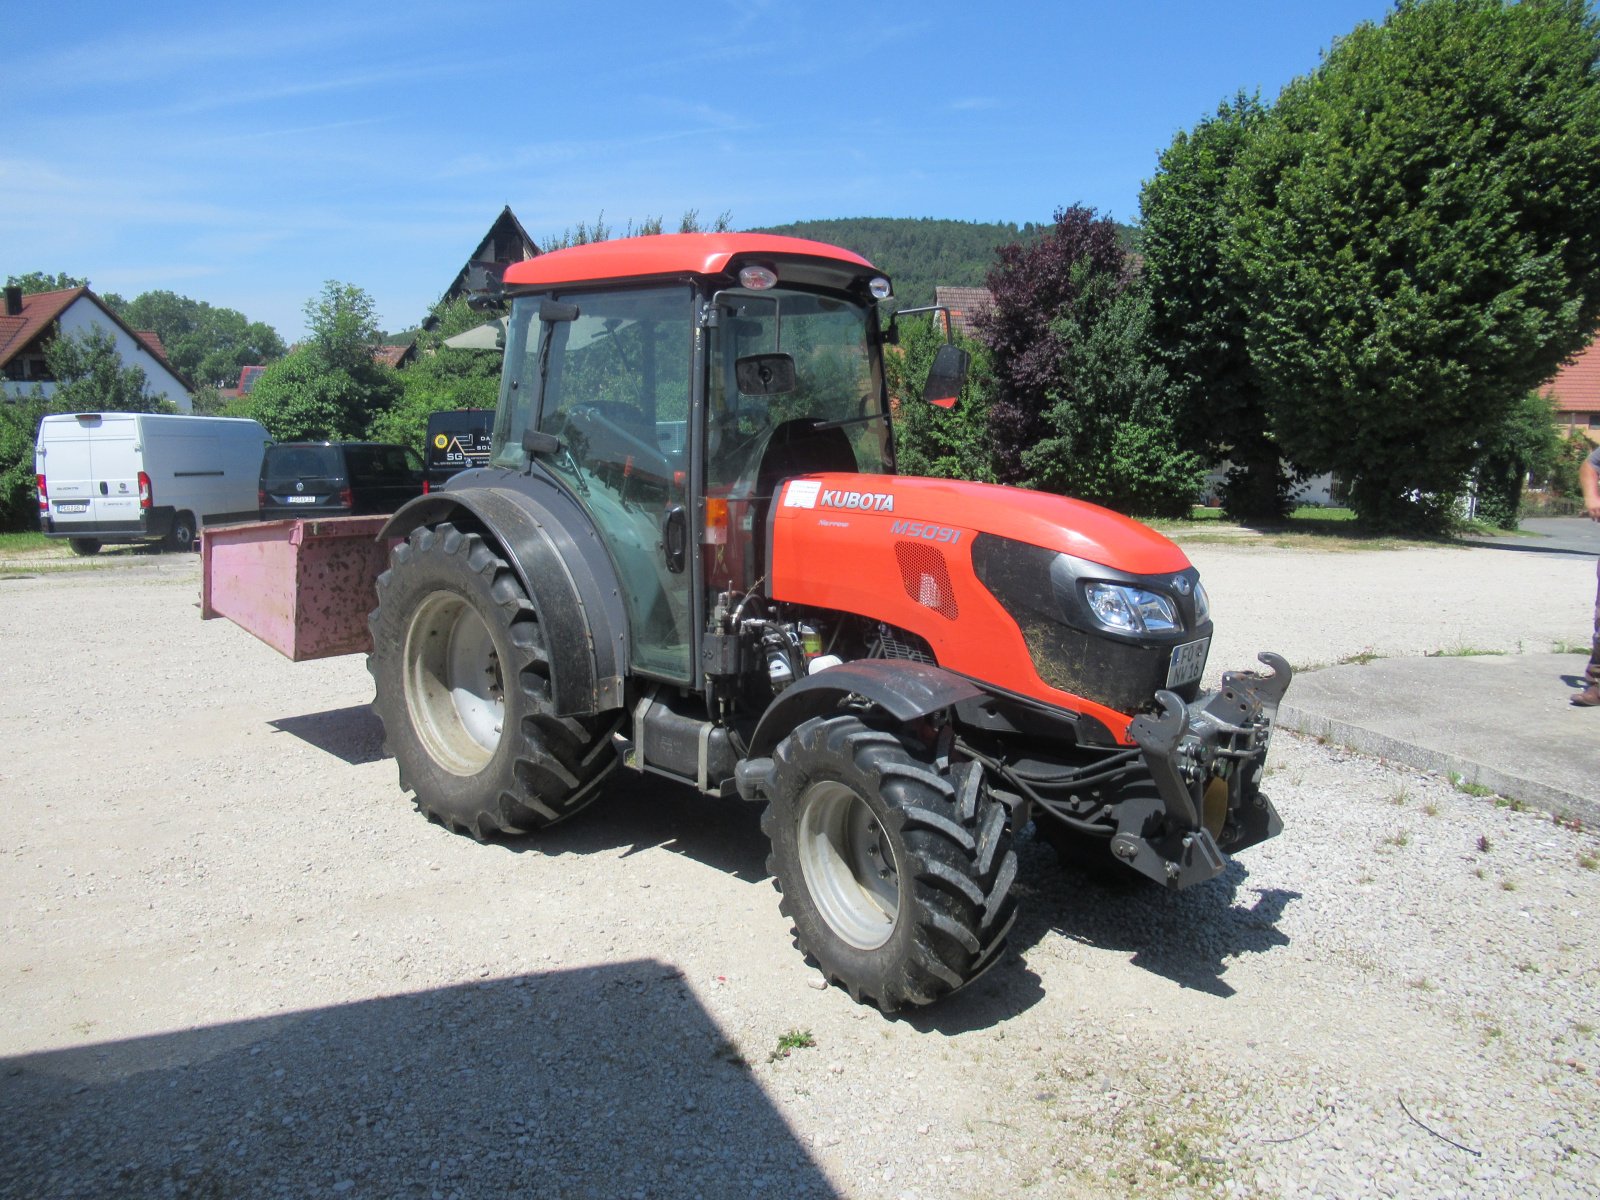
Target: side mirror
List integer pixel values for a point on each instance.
(947, 376)
(539, 444)
(764, 374)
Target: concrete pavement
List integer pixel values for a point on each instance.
(1503, 722)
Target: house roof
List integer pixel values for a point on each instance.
(1576, 387)
(392, 356)
(964, 304)
(41, 309)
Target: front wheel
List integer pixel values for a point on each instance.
(462, 677)
(84, 547)
(896, 872)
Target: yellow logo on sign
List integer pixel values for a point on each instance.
(440, 441)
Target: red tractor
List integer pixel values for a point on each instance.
(689, 555)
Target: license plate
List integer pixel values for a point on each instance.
(301, 499)
(73, 508)
(1188, 662)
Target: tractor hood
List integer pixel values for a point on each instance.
(1074, 527)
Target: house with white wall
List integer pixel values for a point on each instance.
(28, 324)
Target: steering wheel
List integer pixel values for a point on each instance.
(605, 437)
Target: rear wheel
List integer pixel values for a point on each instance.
(181, 535)
(84, 546)
(463, 689)
(896, 872)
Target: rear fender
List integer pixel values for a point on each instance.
(557, 555)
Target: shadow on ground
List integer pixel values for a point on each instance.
(353, 734)
(602, 1082)
(1187, 937)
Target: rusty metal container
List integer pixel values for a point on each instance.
(303, 587)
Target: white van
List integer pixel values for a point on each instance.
(141, 477)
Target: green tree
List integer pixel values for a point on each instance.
(1110, 427)
(330, 387)
(343, 324)
(438, 382)
(207, 345)
(1420, 224)
(41, 281)
(1524, 443)
(939, 442)
(1200, 310)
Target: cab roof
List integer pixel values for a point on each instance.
(679, 254)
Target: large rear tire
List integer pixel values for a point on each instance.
(463, 690)
(84, 547)
(896, 873)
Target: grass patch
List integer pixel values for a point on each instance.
(1470, 789)
(1588, 862)
(1398, 838)
(27, 542)
(788, 1043)
(1360, 658)
(1463, 652)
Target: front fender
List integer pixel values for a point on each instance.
(553, 548)
(904, 690)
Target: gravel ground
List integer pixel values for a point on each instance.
(234, 961)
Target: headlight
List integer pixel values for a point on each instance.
(1130, 609)
(1202, 604)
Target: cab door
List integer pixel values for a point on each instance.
(616, 394)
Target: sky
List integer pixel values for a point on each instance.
(244, 156)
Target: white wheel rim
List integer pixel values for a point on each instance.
(848, 865)
(454, 690)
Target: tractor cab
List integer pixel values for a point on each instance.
(670, 384)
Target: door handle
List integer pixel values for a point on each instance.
(675, 538)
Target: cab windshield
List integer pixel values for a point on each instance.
(826, 338)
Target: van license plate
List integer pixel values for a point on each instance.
(73, 508)
(301, 499)
(1188, 662)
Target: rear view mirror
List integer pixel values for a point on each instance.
(764, 374)
(947, 376)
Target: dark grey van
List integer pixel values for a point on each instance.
(326, 479)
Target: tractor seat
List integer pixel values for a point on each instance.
(798, 447)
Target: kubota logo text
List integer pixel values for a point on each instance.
(868, 501)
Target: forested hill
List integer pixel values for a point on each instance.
(916, 253)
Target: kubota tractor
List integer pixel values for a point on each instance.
(690, 556)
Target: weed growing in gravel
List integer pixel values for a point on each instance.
(1565, 647)
(1528, 968)
(1421, 983)
(795, 1039)
(1583, 1029)
(1399, 837)
(1401, 796)
(1360, 659)
(1513, 804)
(1508, 885)
(1481, 873)
(1567, 822)
(1471, 789)
(1462, 652)
(1588, 862)
(1431, 809)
